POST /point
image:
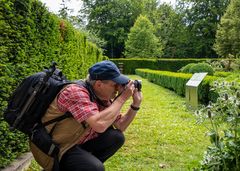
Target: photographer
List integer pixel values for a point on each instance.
(94, 133)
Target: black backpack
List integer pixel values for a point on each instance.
(30, 101)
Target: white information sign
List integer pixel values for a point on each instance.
(196, 79)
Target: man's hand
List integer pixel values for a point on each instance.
(127, 118)
(137, 98)
(128, 91)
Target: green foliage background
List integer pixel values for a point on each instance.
(186, 29)
(31, 38)
(227, 36)
(142, 41)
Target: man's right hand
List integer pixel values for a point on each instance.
(128, 91)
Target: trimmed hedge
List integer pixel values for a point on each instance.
(177, 81)
(222, 74)
(197, 67)
(130, 64)
(31, 38)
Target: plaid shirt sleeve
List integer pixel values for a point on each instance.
(76, 100)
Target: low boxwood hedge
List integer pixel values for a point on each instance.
(177, 81)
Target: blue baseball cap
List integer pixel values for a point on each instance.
(107, 70)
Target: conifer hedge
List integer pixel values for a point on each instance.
(30, 38)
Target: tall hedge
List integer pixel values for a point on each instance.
(129, 65)
(30, 38)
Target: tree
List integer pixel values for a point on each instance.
(149, 8)
(172, 31)
(141, 40)
(112, 21)
(228, 33)
(64, 10)
(66, 13)
(202, 17)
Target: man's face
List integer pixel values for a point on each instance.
(109, 89)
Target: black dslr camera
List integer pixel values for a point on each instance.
(138, 84)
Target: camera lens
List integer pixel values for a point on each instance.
(138, 84)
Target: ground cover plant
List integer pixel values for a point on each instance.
(224, 131)
(164, 135)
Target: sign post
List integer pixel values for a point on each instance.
(192, 89)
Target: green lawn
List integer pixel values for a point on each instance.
(163, 135)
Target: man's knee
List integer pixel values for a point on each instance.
(97, 166)
(118, 137)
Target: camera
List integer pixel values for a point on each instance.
(138, 84)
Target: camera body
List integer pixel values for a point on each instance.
(138, 84)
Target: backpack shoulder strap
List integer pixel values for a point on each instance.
(64, 116)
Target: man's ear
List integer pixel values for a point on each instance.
(98, 83)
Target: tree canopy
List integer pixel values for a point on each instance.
(112, 20)
(141, 40)
(171, 30)
(186, 30)
(202, 17)
(228, 33)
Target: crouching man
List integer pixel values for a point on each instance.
(95, 131)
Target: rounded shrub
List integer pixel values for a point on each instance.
(186, 68)
(201, 67)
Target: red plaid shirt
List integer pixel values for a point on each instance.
(76, 99)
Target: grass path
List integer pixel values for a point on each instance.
(163, 134)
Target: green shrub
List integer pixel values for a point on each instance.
(196, 68)
(186, 69)
(234, 76)
(201, 67)
(12, 144)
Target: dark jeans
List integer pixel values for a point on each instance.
(91, 155)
